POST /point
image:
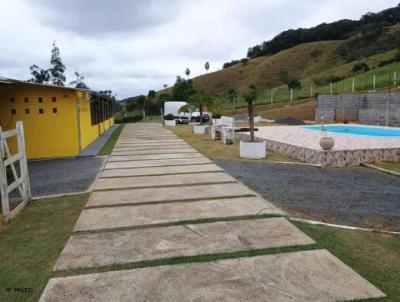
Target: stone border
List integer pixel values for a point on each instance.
(372, 166)
(339, 226)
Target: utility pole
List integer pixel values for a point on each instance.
(291, 94)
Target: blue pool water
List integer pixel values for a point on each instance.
(359, 130)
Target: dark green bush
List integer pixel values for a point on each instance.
(327, 80)
(129, 119)
(169, 117)
(360, 66)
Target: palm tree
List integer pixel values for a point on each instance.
(250, 96)
(187, 72)
(200, 100)
(207, 66)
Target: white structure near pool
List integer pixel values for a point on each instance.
(354, 144)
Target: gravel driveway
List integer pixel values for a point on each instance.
(60, 176)
(355, 196)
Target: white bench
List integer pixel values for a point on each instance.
(224, 130)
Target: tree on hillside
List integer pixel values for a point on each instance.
(57, 68)
(207, 66)
(187, 72)
(284, 76)
(182, 90)
(231, 94)
(294, 84)
(165, 86)
(151, 94)
(78, 82)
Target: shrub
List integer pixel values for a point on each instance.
(394, 59)
(327, 80)
(169, 117)
(294, 84)
(360, 66)
(316, 53)
(217, 112)
(129, 119)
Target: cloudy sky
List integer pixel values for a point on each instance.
(131, 46)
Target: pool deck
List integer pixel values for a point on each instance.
(349, 150)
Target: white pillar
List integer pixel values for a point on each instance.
(234, 103)
(291, 94)
(272, 97)
(331, 88)
(311, 91)
(394, 79)
(374, 82)
(387, 111)
(353, 85)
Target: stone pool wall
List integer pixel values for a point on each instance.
(381, 109)
(334, 158)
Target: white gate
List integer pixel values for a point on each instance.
(13, 176)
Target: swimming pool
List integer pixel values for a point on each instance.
(359, 130)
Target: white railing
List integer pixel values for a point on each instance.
(19, 180)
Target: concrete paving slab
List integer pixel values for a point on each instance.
(163, 138)
(155, 143)
(162, 147)
(162, 180)
(148, 152)
(160, 170)
(154, 156)
(134, 196)
(300, 276)
(157, 163)
(118, 247)
(148, 214)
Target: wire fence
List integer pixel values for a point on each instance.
(372, 81)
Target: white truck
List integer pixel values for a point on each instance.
(183, 117)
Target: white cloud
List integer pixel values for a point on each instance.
(133, 46)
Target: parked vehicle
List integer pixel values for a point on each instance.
(195, 117)
(184, 117)
(173, 108)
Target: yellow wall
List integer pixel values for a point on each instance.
(49, 135)
(90, 132)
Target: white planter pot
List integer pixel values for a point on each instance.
(199, 129)
(217, 121)
(252, 150)
(170, 123)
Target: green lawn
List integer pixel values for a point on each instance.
(30, 245)
(216, 149)
(389, 165)
(32, 242)
(109, 145)
(374, 256)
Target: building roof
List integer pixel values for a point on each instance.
(9, 81)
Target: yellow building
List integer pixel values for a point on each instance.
(58, 121)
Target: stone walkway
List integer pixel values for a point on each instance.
(159, 199)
